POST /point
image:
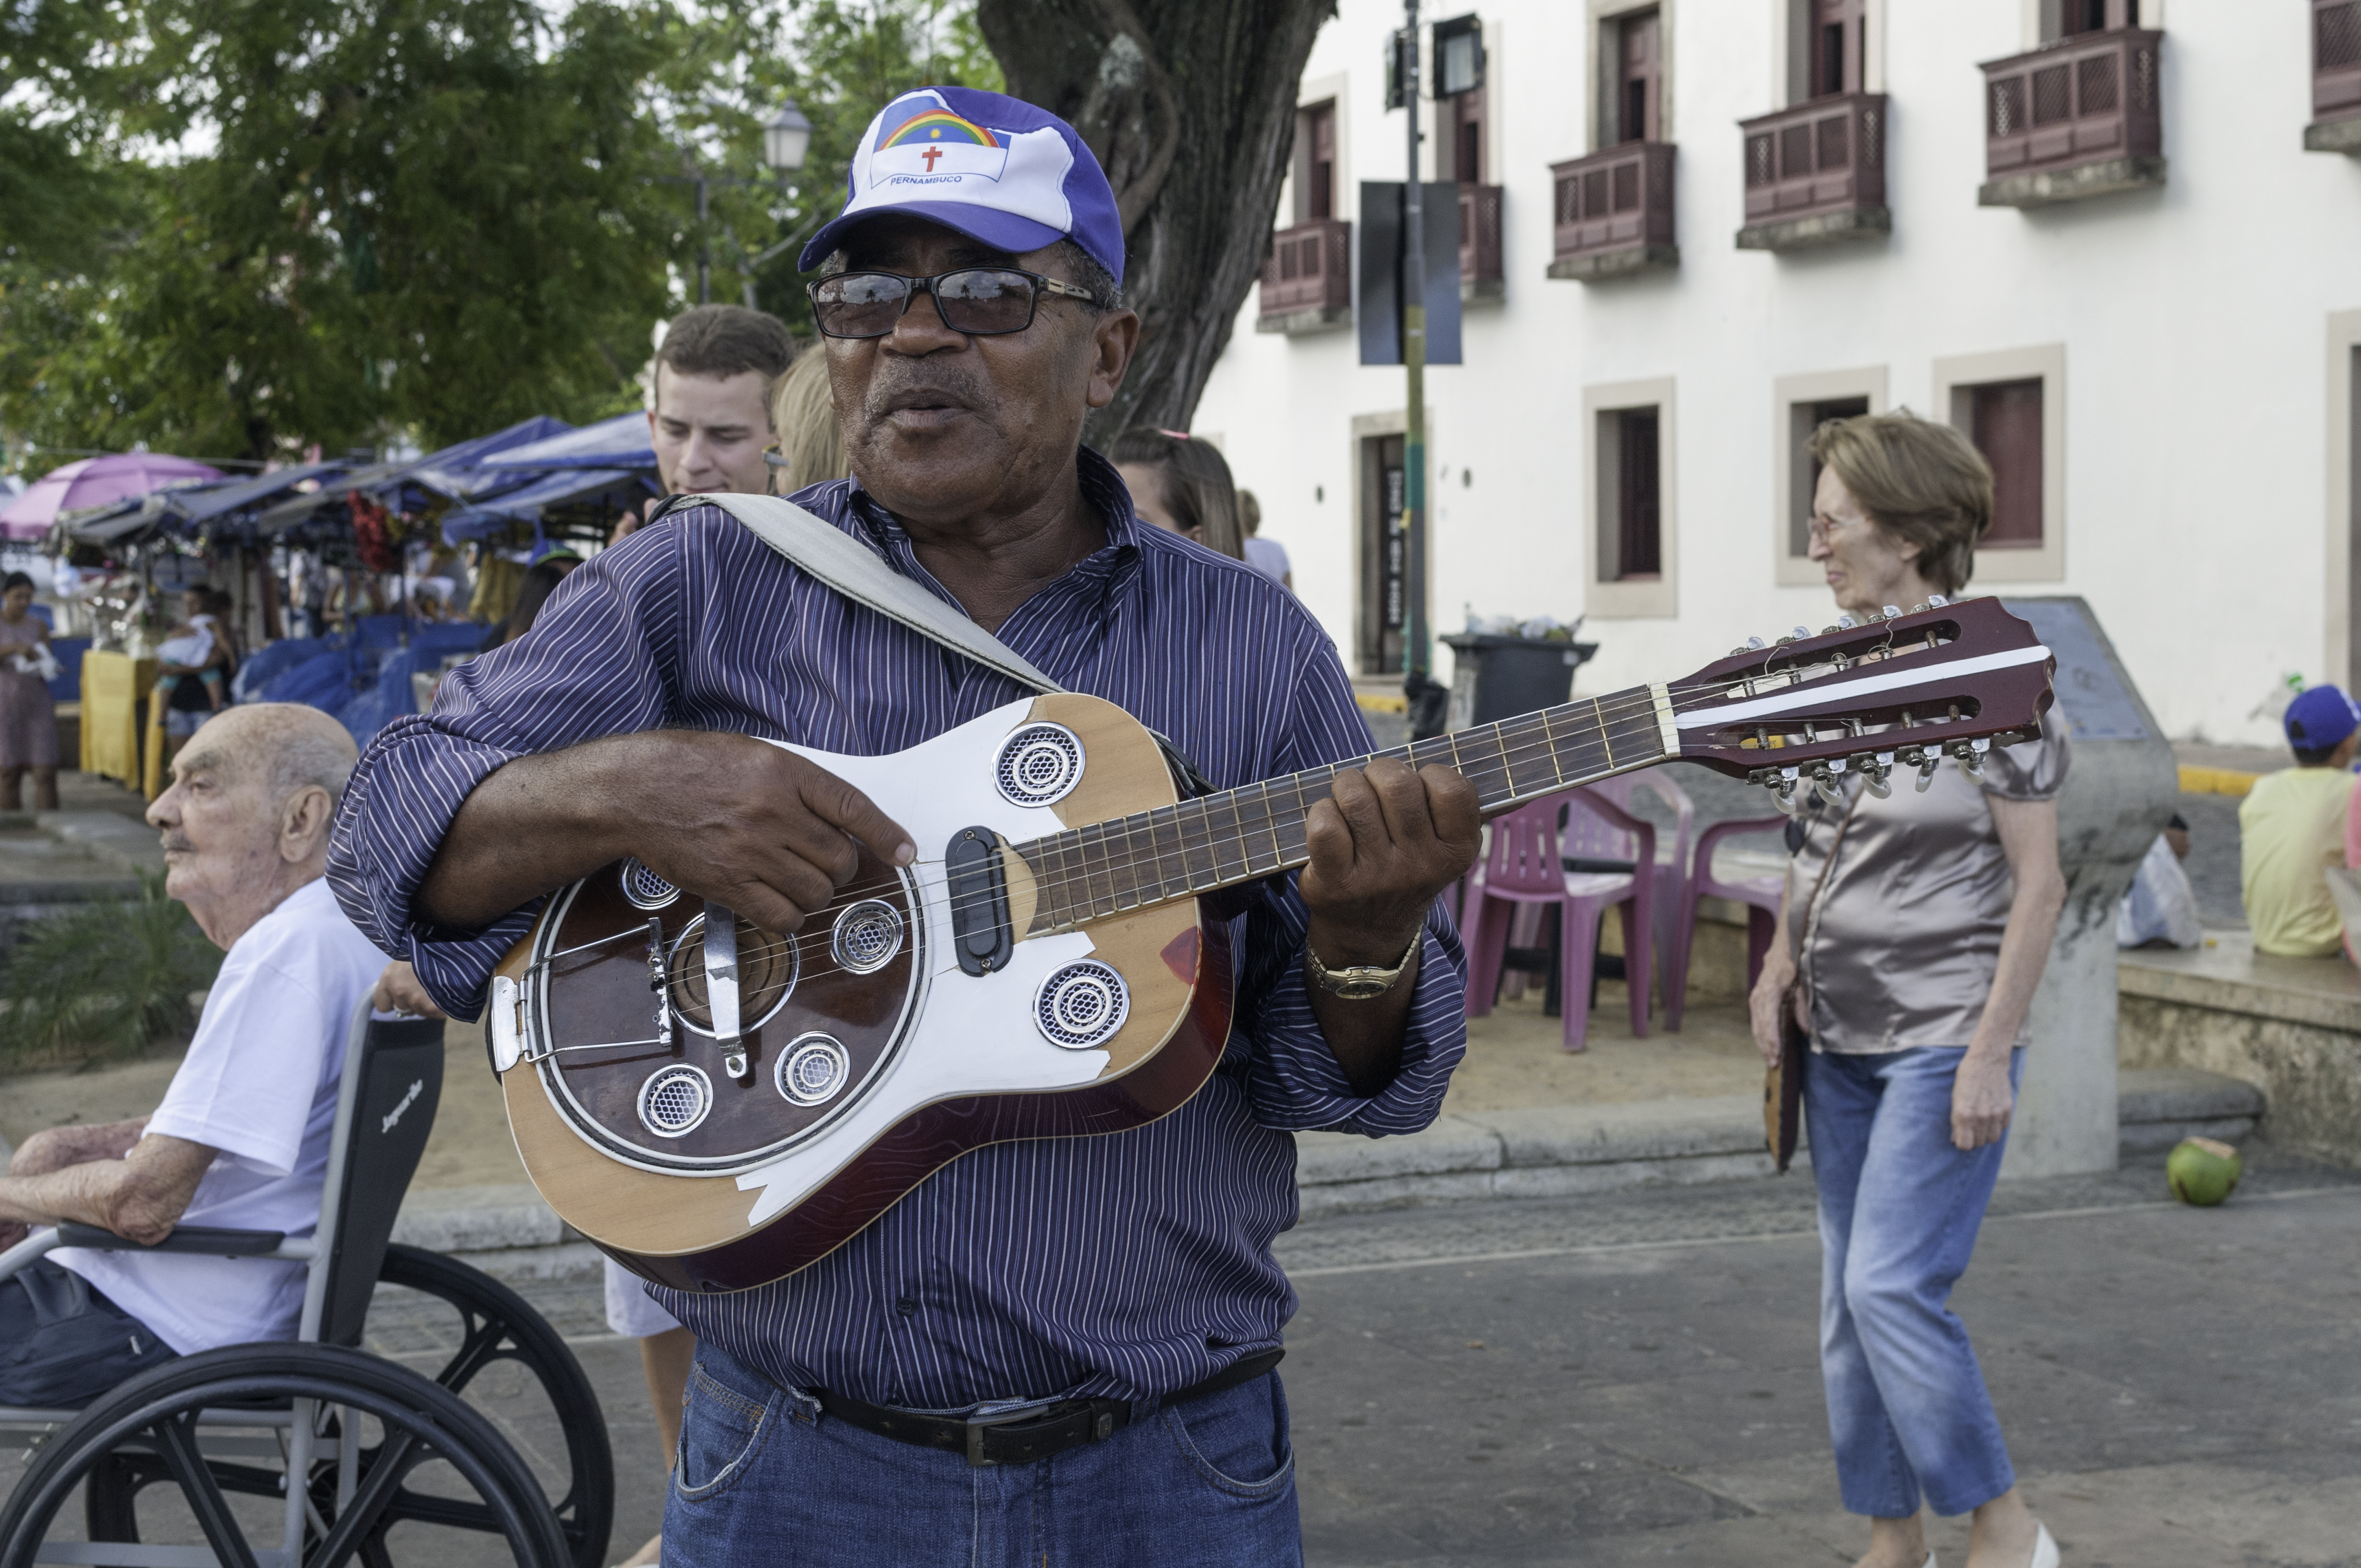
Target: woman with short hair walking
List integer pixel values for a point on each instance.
(1916, 929)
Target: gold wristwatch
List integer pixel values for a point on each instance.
(1359, 982)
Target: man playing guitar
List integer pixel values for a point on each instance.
(1057, 1350)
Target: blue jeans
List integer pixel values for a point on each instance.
(1899, 1210)
(764, 1478)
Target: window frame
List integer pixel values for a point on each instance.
(1393, 422)
(1789, 393)
(1292, 197)
(1606, 598)
(1605, 71)
(2342, 648)
(1957, 376)
(2043, 21)
(1791, 51)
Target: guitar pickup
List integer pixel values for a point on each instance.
(980, 931)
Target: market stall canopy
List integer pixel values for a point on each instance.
(433, 472)
(215, 501)
(572, 486)
(94, 482)
(465, 471)
(622, 441)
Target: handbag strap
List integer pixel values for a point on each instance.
(1804, 938)
(854, 570)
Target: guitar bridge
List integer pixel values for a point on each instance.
(980, 930)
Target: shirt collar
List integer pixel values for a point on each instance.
(1113, 566)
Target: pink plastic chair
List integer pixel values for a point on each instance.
(1671, 876)
(1760, 895)
(1525, 865)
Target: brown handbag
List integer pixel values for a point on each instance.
(1783, 1081)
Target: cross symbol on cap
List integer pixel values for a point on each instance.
(931, 154)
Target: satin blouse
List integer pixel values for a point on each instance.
(1899, 947)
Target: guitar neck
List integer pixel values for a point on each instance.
(1240, 835)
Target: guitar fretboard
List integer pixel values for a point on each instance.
(1200, 846)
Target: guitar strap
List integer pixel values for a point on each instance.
(856, 571)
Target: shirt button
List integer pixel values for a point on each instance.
(907, 1305)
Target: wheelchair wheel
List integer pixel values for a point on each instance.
(564, 1438)
(217, 1433)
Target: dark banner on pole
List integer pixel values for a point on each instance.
(1379, 305)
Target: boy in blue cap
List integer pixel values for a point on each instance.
(2291, 830)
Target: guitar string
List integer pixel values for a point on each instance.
(1634, 704)
(1105, 868)
(1604, 715)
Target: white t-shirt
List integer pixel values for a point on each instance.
(259, 1084)
(1268, 556)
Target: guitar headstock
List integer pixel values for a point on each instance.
(1947, 679)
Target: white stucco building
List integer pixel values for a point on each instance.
(2131, 267)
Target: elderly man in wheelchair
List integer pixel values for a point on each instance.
(152, 1270)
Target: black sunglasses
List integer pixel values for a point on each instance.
(980, 301)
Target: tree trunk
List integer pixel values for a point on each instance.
(1189, 105)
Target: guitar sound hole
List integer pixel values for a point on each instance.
(768, 966)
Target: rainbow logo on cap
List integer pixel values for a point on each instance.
(937, 126)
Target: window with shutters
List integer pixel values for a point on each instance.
(1631, 536)
(2335, 77)
(1801, 404)
(1836, 40)
(1637, 106)
(2011, 406)
(2080, 116)
(1315, 162)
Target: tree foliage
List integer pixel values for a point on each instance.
(335, 221)
(1189, 105)
(104, 980)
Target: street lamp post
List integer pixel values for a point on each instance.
(787, 137)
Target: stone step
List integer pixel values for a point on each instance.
(2155, 1107)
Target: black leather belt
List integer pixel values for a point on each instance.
(1020, 1437)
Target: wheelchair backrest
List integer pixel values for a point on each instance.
(393, 1082)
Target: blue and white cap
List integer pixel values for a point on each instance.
(994, 168)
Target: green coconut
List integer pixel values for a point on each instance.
(2203, 1172)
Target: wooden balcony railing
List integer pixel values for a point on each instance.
(1614, 212)
(2335, 77)
(1816, 173)
(1480, 241)
(1307, 283)
(2079, 118)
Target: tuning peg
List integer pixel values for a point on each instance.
(1783, 791)
(1937, 600)
(1797, 634)
(1893, 612)
(1920, 607)
(1877, 777)
(1926, 770)
(1756, 643)
(1844, 623)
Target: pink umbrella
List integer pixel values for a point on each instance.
(93, 482)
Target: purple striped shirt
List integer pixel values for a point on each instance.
(1127, 1264)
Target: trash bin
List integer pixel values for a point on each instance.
(1497, 677)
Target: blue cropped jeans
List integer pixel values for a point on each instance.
(1899, 1212)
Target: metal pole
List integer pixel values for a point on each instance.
(1416, 653)
(704, 248)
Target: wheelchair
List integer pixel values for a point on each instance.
(313, 1454)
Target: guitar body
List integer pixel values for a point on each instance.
(868, 1056)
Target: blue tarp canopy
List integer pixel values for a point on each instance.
(570, 487)
(452, 472)
(461, 471)
(622, 441)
